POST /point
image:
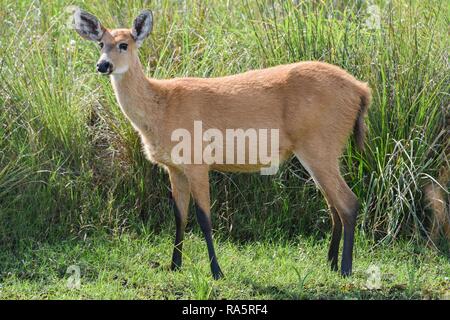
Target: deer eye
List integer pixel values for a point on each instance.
(101, 45)
(123, 46)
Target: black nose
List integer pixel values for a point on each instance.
(104, 66)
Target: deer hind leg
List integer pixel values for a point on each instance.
(199, 184)
(333, 251)
(180, 197)
(343, 205)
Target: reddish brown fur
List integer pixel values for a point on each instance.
(438, 204)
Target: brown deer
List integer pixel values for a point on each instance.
(314, 106)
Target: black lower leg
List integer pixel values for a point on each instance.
(178, 246)
(205, 225)
(349, 235)
(333, 251)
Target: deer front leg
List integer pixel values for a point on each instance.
(199, 185)
(180, 198)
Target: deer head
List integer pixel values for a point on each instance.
(118, 47)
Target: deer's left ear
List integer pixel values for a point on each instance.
(87, 25)
(142, 26)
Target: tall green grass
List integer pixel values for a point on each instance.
(71, 165)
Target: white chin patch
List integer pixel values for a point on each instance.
(120, 70)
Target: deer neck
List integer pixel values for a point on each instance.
(138, 96)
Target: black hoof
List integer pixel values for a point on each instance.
(334, 266)
(218, 275)
(346, 273)
(175, 267)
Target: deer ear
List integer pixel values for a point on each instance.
(142, 26)
(87, 25)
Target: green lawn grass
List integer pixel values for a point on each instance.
(130, 267)
(75, 187)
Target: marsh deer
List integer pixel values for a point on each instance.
(314, 106)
